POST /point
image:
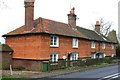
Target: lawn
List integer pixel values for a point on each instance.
(11, 77)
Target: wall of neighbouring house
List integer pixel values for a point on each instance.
(6, 60)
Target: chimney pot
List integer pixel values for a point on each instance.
(97, 23)
(97, 26)
(72, 11)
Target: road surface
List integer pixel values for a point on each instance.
(110, 73)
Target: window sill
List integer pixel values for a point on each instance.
(93, 47)
(75, 47)
(103, 48)
(54, 46)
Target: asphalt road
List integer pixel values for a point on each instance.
(100, 73)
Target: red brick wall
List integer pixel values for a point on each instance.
(27, 64)
(37, 47)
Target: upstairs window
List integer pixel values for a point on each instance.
(54, 56)
(103, 45)
(75, 43)
(93, 44)
(54, 41)
(112, 46)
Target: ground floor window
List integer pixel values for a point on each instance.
(74, 56)
(97, 55)
(54, 56)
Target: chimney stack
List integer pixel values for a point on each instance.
(29, 14)
(97, 26)
(72, 18)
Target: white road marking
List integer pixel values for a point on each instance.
(116, 75)
(111, 75)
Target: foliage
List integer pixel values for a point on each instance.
(8, 76)
(12, 77)
(71, 65)
(118, 51)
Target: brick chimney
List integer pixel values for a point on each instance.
(72, 18)
(97, 26)
(29, 14)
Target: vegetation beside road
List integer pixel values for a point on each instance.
(60, 71)
(118, 51)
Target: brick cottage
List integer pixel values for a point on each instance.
(47, 40)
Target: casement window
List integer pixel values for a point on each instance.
(54, 56)
(74, 56)
(75, 43)
(103, 45)
(112, 46)
(93, 44)
(54, 41)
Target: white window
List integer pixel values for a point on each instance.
(112, 46)
(54, 41)
(54, 57)
(75, 43)
(93, 44)
(74, 56)
(103, 45)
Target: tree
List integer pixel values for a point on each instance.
(3, 4)
(104, 26)
(118, 51)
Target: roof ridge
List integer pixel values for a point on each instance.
(53, 20)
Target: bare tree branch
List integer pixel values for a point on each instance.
(104, 26)
(3, 4)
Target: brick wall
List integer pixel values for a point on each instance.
(6, 60)
(33, 65)
(37, 47)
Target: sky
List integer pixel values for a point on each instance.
(87, 11)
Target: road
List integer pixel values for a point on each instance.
(110, 73)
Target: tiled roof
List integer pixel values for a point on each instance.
(5, 47)
(93, 35)
(42, 25)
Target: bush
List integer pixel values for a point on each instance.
(118, 51)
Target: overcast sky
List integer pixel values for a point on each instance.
(88, 11)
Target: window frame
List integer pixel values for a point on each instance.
(74, 56)
(112, 46)
(54, 57)
(75, 42)
(54, 44)
(92, 44)
(103, 45)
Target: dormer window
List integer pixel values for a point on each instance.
(54, 41)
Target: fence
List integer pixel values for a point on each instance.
(61, 64)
